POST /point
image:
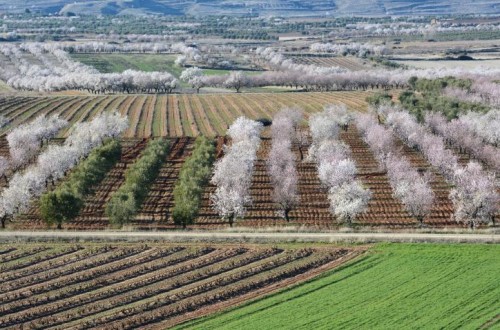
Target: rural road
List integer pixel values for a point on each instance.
(251, 237)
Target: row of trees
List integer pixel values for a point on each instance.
(126, 201)
(419, 103)
(194, 175)
(487, 90)
(233, 173)
(194, 55)
(107, 47)
(63, 73)
(234, 80)
(336, 170)
(56, 161)
(57, 71)
(354, 49)
(294, 79)
(481, 91)
(281, 160)
(64, 203)
(315, 78)
(331, 78)
(26, 140)
(410, 187)
(474, 195)
(277, 61)
(409, 28)
(486, 126)
(457, 134)
(465, 95)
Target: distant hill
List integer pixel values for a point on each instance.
(260, 7)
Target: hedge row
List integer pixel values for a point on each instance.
(193, 176)
(125, 202)
(65, 202)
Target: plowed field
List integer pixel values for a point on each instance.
(132, 286)
(173, 115)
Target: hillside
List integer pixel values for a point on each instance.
(260, 7)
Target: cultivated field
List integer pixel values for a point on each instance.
(443, 64)
(107, 63)
(278, 165)
(312, 210)
(181, 118)
(173, 115)
(350, 63)
(396, 286)
(131, 286)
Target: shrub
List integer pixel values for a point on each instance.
(60, 206)
(65, 202)
(125, 202)
(193, 176)
(378, 99)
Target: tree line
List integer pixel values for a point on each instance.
(64, 203)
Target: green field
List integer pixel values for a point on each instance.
(109, 63)
(415, 286)
(4, 87)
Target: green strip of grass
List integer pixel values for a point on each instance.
(109, 63)
(396, 286)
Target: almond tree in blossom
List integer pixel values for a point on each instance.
(53, 163)
(281, 161)
(233, 173)
(336, 170)
(475, 196)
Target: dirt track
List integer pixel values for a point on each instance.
(254, 237)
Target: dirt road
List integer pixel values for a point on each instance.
(252, 237)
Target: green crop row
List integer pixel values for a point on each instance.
(65, 202)
(125, 202)
(193, 177)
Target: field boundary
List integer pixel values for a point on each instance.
(264, 292)
(268, 237)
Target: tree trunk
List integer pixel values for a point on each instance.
(287, 214)
(59, 225)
